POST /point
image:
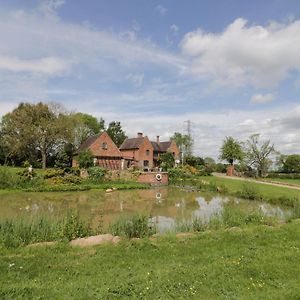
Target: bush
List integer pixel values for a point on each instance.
(50, 173)
(7, 178)
(249, 191)
(85, 159)
(136, 227)
(96, 173)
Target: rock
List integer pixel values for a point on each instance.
(41, 244)
(116, 240)
(109, 190)
(93, 240)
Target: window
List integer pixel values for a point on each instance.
(147, 152)
(104, 146)
(146, 163)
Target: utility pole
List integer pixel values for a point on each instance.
(189, 131)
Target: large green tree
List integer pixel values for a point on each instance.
(116, 132)
(258, 154)
(184, 142)
(33, 128)
(84, 126)
(231, 150)
(291, 163)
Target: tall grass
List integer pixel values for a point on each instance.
(137, 226)
(230, 217)
(15, 233)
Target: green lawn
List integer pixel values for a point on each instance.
(255, 263)
(280, 180)
(267, 191)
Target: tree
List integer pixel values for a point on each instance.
(33, 129)
(194, 161)
(84, 126)
(258, 153)
(166, 161)
(116, 133)
(291, 164)
(85, 159)
(231, 150)
(184, 142)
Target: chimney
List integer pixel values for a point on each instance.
(157, 139)
(140, 135)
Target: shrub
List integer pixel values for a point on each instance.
(249, 191)
(85, 159)
(7, 179)
(137, 226)
(96, 173)
(50, 173)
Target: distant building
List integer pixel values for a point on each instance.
(141, 153)
(105, 152)
(138, 152)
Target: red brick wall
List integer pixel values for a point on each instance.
(142, 155)
(174, 149)
(150, 177)
(111, 151)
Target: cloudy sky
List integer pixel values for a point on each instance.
(230, 67)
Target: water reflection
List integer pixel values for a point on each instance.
(164, 205)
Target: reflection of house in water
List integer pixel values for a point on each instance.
(208, 209)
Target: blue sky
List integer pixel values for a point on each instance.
(231, 67)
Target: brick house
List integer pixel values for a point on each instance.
(105, 152)
(163, 147)
(141, 153)
(138, 152)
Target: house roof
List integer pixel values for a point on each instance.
(88, 142)
(133, 143)
(162, 146)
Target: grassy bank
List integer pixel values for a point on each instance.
(244, 189)
(295, 182)
(256, 263)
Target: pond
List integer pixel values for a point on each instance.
(165, 205)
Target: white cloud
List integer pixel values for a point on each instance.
(50, 7)
(262, 98)
(46, 65)
(174, 28)
(244, 55)
(161, 9)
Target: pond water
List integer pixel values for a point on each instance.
(165, 205)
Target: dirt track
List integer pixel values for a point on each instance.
(289, 186)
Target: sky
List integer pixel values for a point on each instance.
(230, 67)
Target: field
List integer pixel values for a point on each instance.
(254, 263)
(267, 191)
(286, 181)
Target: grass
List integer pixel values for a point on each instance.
(245, 189)
(256, 263)
(285, 180)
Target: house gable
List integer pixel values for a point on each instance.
(101, 145)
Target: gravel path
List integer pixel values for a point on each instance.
(289, 186)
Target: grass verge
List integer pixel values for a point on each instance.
(256, 263)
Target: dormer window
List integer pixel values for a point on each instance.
(104, 146)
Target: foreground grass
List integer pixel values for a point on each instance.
(259, 262)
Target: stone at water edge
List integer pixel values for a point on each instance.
(93, 240)
(109, 190)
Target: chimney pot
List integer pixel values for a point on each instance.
(157, 139)
(140, 135)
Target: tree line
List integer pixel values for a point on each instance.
(47, 134)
